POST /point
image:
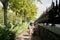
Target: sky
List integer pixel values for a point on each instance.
(41, 7)
(1, 4)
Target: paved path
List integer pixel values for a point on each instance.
(25, 36)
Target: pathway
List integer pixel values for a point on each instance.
(25, 36)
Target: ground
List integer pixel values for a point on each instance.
(25, 36)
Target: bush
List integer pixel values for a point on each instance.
(6, 34)
(11, 31)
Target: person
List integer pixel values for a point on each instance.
(30, 27)
(36, 29)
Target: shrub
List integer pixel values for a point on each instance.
(6, 34)
(11, 31)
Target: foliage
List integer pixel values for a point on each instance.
(6, 34)
(11, 31)
(32, 11)
(24, 6)
(11, 17)
(13, 27)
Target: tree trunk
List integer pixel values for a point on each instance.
(5, 4)
(16, 17)
(20, 19)
(20, 16)
(5, 17)
(25, 18)
(16, 13)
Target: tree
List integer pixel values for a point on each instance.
(20, 6)
(17, 6)
(25, 16)
(29, 9)
(5, 5)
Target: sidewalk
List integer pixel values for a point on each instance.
(25, 36)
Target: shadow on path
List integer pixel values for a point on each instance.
(35, 38)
